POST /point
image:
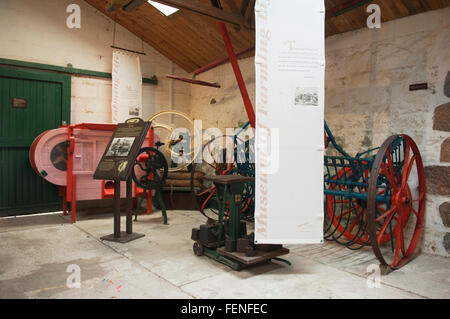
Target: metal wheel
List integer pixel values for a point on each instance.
(245, 166)
(150, 169)
(395, 225)
(176, 130)
(217, 159)
(198, 249)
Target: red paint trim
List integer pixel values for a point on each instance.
(151, 143)
(107, 192)
(74, 199)
(70, 148)
(71, 189)
(96, 126)
(238, 74)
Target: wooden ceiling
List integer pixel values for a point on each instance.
(192, 40)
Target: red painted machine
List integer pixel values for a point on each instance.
(68, 156)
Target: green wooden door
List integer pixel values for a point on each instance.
(30, 102)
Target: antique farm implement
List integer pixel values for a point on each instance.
(375, 198)
(67, 157)
(225, 155)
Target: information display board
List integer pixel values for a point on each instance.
(122, 150)
(290, 67)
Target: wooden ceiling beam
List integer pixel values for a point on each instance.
(345, 7)
(234, 7)
(114, 5)
(244, 6)
(248, 16)
(208, 11)
(133, 5)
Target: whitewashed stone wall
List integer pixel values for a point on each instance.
(36, 31)
(367, 94)
(223, 107)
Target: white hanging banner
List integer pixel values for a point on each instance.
(126, 86)
(290, 70)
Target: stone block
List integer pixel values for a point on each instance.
(444, 211)
(445, 151)
(437, 180)
(447, 242)
(447, 85)
(441, 118)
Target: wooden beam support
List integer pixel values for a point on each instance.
(221, 61)
(248, 17)
(209, 11)
(133, 5)
(244, 6)
(234, 7)
(345, 7)
(114, 5)
(192, 81)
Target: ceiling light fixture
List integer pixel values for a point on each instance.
(164, 9)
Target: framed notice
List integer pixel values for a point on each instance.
(122, 150)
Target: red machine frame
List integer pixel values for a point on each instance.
(69, 192)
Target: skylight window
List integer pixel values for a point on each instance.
(166, 10)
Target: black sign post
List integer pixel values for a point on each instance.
(116, 164)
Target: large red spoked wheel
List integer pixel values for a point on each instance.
(397, 173)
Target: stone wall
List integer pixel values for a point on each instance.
(368, 75)
(223, 107)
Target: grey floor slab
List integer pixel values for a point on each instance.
(425, 275)
(304, 279)
(35, 252)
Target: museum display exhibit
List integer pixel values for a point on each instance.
(235, 150)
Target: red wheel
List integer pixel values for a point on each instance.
(396, 201)
(347, 217)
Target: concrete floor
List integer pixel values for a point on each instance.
(35, 252)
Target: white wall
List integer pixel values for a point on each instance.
(223, 107)
(36, 31)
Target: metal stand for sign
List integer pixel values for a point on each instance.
(117, 166)
(128, 235)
